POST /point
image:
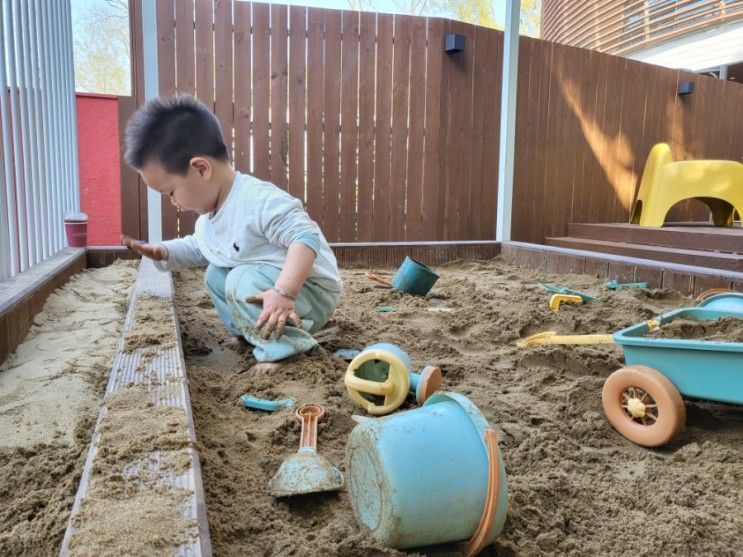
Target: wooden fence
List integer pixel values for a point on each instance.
(385, 137)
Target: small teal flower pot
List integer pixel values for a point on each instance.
(428, 476)
(414, 277)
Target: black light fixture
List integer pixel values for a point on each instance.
(454, 43)
(685, 88)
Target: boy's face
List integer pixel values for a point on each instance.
(192, 192)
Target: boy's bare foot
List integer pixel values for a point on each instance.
(264, 368)
(238, 344)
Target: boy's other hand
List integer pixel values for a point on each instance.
(158, 252)
(277, 310)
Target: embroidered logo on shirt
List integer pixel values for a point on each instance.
(234, 245)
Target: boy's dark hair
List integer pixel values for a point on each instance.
(172, 132)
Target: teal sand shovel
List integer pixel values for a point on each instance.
(306, 471)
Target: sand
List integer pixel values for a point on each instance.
(575, 485)
(50, 392)
(727, 329)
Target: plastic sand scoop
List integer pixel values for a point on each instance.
(553, 289)
(306, 471)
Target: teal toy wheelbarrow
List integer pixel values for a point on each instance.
(643, 400)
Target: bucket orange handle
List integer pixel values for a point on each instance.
(479, 538)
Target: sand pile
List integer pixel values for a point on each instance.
(575, 485)
(50, 392)
(727, 329)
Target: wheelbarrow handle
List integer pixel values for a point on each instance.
(551, 337)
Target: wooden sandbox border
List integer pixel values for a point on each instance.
(686, 279)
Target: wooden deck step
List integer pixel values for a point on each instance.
(685, 236)
(696, 257)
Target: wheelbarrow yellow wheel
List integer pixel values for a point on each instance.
(643, 405)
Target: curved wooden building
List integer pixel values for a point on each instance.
(694, 34)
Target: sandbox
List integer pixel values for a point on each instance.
(575, 485)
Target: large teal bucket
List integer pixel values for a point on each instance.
(414, 277)
(422, 477)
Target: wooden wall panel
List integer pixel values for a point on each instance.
(401, 138)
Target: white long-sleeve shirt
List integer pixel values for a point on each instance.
(255, 224)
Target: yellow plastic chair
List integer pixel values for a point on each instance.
(716, 183)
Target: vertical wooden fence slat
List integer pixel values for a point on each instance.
(349, 126)
(587, 92)
(315, 103)
(166, 47)
(331, 112)
(242, 85)
(444, 116)
(205, 52)
(547, 136)
(480, 63)
(458, 94)
(400, 105)
(551, 186)
(279, 71)
(464, 147)
(297, 97)
(415, 160)
(185, 84)
(130, 209)
(490, 133)
(524, 149)
(261, 91)
(223, 71)
(573, 142)
(432, 127)
(184, 36)
(612, 123)
(382, 186)
(632, 106)
(367, 62)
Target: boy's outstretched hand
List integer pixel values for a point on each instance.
(158, 252)
(276, 311)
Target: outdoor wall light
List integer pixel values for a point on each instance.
(685, 87)
(454, 43)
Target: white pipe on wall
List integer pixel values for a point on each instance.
(15, 122)
(508, 122)
(30, 149)
(71, 108)
(9, 222)
(41, 182)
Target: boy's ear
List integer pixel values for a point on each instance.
(202, 166)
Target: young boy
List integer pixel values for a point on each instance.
(268, 264)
